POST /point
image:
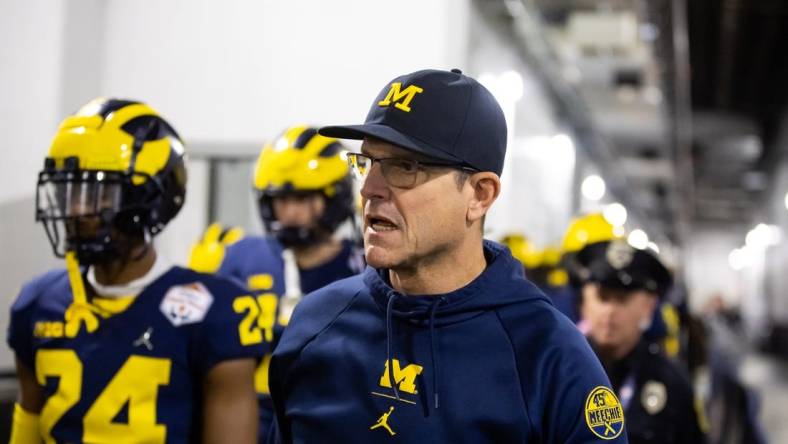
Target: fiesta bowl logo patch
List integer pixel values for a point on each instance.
(186, 304)
(604, 414)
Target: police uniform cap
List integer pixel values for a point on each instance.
(616, 264)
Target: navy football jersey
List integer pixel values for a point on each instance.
(257, 263)
(138, 377)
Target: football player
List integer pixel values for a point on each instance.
(542, 268)
(121, 346)
(304, 191)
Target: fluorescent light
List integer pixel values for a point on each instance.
(763, 236)
(511, 84)
(638, 239)
(507, 87)
(741, 258)
(615, 214)
(593, 187)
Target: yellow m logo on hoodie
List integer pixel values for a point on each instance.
(405, 378)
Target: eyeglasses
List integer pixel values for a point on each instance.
(398, 172)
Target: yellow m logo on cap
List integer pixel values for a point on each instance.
(405, 378)
(400, 97)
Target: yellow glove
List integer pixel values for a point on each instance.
(208, 253)
(24, 427)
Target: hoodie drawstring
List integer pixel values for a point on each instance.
(433, 347)
(390, 362)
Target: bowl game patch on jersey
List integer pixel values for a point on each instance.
(604, 414)
(186, 304)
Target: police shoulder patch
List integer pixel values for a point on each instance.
(604, 414)
(186, 304)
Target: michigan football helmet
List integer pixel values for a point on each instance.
(587, 229)
(114, 174)
(302, 162)
(584, 230)
(541, 265)
(523, 250)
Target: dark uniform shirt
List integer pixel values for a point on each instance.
(657, 397)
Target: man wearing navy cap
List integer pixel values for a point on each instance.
(441, 339)
(620, 289)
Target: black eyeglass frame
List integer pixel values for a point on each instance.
(418, 164)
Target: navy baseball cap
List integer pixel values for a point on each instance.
(444, 115)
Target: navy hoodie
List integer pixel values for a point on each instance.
(492, 362)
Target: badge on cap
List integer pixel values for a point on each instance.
(619, 254)
(400, 97)
(654, 396)
(604, 414)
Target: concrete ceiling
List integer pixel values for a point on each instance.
(690, 96)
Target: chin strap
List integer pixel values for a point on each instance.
(293, 294)
(80, 311)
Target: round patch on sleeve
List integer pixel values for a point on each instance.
(604, 414)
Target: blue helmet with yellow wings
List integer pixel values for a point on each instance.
(114, 175)
(299, 162)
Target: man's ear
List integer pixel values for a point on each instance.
(485, 186)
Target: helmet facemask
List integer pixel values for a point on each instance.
(84, 211)
(100, 215)
(292, 236)
(337, 209)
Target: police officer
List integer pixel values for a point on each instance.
(620, 288)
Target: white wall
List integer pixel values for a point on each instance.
(708, 272)
(244, 70)
(538, 174)
(31, 60)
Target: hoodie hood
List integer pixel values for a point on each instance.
(503, 273)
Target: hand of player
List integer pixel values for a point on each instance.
(207, 254)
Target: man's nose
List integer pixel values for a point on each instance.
(374, 185)
(289, 212)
